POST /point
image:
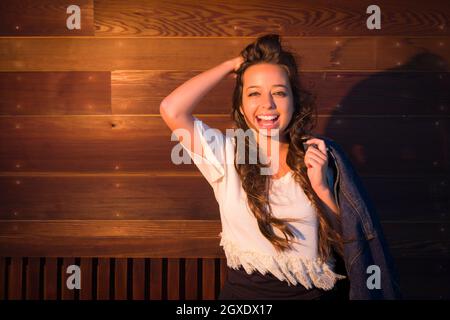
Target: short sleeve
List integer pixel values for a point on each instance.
(211, 164)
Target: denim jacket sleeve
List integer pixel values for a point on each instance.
(364, 241)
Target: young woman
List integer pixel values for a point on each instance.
(280, 231)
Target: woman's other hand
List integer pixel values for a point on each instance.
(316, 161)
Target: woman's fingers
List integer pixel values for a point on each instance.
(317, 152)
(320, 144)
(317, 159)
(237, 62)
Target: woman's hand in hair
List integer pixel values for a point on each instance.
(236, 63)
(316, 161)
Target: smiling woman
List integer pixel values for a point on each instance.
(281, 232)
(277, 226)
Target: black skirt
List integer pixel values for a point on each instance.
(242, 286)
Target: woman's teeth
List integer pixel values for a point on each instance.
(267, 121)
(267, 117)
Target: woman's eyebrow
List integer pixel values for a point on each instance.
(275, 85)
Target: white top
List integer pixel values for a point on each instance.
(242, 241)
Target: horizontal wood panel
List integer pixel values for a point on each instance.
(255, 17)
(103, 54)
(412, 198)
(44, 17)
(118, 144)
(176, 238)
(338, 93)
(212, 18)
(418, 239)
(163, 229)
(141, 92)
(187, 54)
(392, 145)
(96, 197)
(118, 247)
(421, 54)
(34, 93)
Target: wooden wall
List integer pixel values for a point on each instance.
(85, 168)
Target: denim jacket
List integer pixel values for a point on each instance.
(363, 238)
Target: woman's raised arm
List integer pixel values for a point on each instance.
(176, 109)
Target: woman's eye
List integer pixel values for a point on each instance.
(278, 93)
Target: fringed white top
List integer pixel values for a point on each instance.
(243, 243)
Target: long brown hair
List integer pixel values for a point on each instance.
(267, 49)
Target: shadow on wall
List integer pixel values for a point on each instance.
(404, 131)
(394, 126)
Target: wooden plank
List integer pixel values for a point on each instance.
(111, 246)
(138, 279)
(208, 279)
(411, 53)
(401, 140)
(44, 17)
(107, 54)
(223, 272)
(411, 238)
(29, 93)
(389, 93)
(140, 197)
(15, 279)
(66, 293)
(3, 269)
(86, 279)
(410, 198)
(32, 278)
(156, 282)
(426, 239)
(337, 93)
(130, 91)
(109, 228)
(35, 93)
(50, 278)
(120, 279)
(131, 197)
(103, 279)
(173, 279)
(256, 17)
(191, 279)
(83, 154)
(315, 53)
(65, 143)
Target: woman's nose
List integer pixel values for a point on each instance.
(268, 102)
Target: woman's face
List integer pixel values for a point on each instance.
(267, 101)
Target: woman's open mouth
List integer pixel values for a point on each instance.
(268, 121)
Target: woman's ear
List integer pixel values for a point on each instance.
(240, 109)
